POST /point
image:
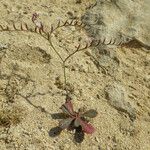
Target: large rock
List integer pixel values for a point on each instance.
(122, 19)
(116, 96)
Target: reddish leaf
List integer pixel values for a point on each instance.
(68, 107)
(65, 110)
(86, 127)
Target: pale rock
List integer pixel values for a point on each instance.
(116, 96)
(124, 20)
(3, 46)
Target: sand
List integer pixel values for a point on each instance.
(31, 83)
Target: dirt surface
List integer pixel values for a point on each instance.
(31, 83)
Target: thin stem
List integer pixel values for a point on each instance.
(65, 78)
(37, 34)
(78, 50)
(28, 31)
(44, 35)
(55, 49)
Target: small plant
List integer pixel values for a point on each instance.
(75, 119)
(72, 119)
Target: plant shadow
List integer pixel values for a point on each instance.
(78, 136)
(56, 131)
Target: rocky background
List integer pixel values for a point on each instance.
(114, 80)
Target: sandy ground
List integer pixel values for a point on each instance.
(31, 79)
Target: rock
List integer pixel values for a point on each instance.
(116, 96)
(121, 19)
(107, 59)
(3, 46)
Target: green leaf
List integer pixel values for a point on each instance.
(59, 116)
(76, 123)
(63, 124)
(90, 113)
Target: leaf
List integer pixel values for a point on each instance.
(76, 123)
(68, 108)
(90, 113)
(79, 135)
(55, 131)
(86, 127)
(63, 124)
(65, 110)
(59, 116)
